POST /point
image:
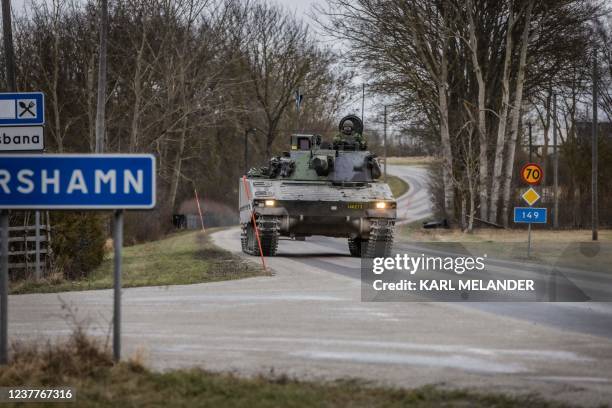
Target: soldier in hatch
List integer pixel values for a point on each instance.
(349, 136)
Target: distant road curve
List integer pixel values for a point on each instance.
(415, 204)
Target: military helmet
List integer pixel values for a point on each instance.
(347, 127)
(355, 122)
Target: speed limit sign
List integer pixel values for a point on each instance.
(532, 173)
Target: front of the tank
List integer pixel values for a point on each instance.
(337, 203)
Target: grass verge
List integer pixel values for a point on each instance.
(83, 364)
(398, 186)
(567, 248)
(182, 258)
(412, 160)
(416, 233)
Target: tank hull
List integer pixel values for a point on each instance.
(299, 215)
(331, 219)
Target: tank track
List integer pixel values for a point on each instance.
(355, 247)
(244, 239)
(380, 241)
(269, 231)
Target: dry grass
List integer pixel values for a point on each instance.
(415, 233)
(572, 249)
(79, 356)
(398, 186)
(412, 160)
(179, 259)
(83, 364)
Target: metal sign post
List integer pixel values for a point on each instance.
(118, 244)
(4, 225)
(37, 245)
(529, 240)
(531, 197)
(78, 182)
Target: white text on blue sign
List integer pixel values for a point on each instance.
(77, 181)
(530, 215)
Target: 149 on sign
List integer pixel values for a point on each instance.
(530, 215)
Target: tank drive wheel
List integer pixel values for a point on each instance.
(268, 235)
(354, 245)
(380, 241)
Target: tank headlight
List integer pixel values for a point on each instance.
(381, 205)
(270, 203)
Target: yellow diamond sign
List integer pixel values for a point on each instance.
(531, 196)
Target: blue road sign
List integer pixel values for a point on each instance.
(22, 108)
(530, 215)
(87, 181)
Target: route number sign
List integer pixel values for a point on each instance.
(532, 173)
(530, 215)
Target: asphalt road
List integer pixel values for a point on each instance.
(308, 321)
(415, 204)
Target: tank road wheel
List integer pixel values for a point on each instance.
(380, 242)
(269, 231)
(354, 245)
(268, 235)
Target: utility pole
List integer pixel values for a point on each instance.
(555, 167)
(9, 55)
(362, 101)
(101, 102)
(246, 150)
(385, 142)
(594, 198)
(298, 107)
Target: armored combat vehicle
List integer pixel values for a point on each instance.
(319, 188)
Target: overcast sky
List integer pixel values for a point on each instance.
(300, 6)
(302, 9)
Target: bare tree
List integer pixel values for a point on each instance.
(515, 114)
(405, 44)
(280, 56)
(179, 83)
(483, 162)
(503, 118)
